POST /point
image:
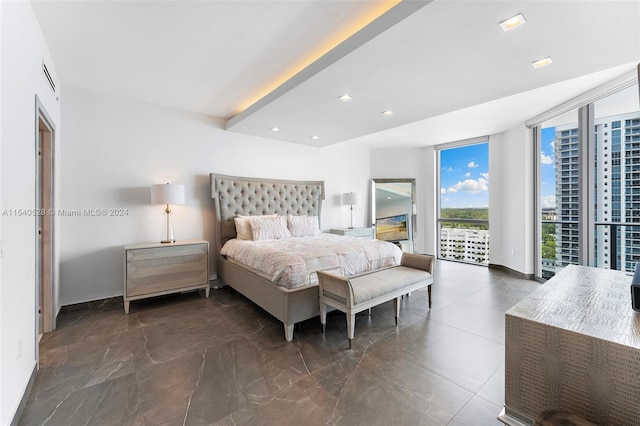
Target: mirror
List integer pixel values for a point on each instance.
(393, 212)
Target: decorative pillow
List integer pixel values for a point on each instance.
(270, 228)
(303, 226)
(243, 227)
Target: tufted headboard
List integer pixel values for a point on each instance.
(254, 196)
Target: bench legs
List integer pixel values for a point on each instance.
(351, 319)
(396, 308)
(323, 316)
(351, 327)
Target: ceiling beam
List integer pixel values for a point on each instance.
(379, 25)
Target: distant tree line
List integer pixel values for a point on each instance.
(465, 213)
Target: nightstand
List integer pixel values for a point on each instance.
(155, 269)
(365, 233)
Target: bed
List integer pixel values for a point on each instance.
(234, 196)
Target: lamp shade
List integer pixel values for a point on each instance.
(167, 194)
(350, 198)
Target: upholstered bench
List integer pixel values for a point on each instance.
(356, 293)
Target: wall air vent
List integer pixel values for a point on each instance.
(45, 71)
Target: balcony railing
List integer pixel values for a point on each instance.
(621, 243)
(617, 246)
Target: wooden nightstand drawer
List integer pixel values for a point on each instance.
(152, 275)
(165, 252)
(157, 269)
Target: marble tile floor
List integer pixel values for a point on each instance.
(187, 360)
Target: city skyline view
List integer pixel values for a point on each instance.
(464, 177)
(616, 197)
(547, 168)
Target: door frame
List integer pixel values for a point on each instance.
(44, 223)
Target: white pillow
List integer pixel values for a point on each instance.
(270, 228)
(243, 227)
(303, 226)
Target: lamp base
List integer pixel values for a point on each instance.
(168, 234)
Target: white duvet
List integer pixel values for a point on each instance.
(292, 262)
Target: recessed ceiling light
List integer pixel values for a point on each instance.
(387, 112)
(315, 137)
(275, 129)
(345, 98)
(513, 22)
(541, 62)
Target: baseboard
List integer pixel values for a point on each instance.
(25, 396)
(512, 272)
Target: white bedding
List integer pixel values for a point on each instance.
(292, 262)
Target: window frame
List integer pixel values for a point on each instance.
(585, 105)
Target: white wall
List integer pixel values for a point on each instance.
(2, 367)
(430, 192)
(22, 51)
(519, 214)
(511, 199)
(496, 199)
(417, 163)
(510, 194)
(114, 149)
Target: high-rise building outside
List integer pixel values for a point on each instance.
(466, 245)
(567, 187)
(616, 193)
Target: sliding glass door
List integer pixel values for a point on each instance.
(589, 186)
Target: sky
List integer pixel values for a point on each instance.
(548, 170)
(464, 177)
(464, 174)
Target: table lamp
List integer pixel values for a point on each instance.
(167, 194)
(350, 199)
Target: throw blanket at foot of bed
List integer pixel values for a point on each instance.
(363, 291)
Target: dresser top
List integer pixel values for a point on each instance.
(159, 244)
(591, 301)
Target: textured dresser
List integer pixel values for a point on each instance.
(155, 269)
(574, 344)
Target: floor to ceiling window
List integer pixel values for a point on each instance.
(589, 185)
(463, 214)
(559, 175)
(616, 131)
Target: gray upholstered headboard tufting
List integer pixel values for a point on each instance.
(235, 195)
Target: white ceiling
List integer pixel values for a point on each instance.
(447, 70)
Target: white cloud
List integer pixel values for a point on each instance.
(470, 185)
(449, 169)
(485, 175)
(472, 165)
(553, 145)
(467, 174)
(442, 190)
(545, 159)
(548, 202)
